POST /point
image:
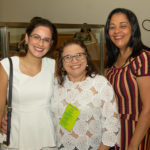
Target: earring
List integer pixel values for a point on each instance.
(87, 67)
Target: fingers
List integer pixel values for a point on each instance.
(4, 125)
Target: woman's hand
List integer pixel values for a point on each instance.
(4, 125)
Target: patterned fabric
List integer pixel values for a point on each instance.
(124, 82)
(98, 120)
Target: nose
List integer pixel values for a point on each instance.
(74, 59)
(117, 29)
(41, 42)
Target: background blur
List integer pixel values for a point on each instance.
(73, 11)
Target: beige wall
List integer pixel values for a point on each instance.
(72, 11)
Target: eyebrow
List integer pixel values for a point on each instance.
(120, 23)
(74, 54)
(40, 36)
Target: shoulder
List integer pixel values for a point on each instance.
(49, 60)
(104, 87)
(100, 78)
(144, 54)
(100, 81)
(49, 63)
(5, 60)
(141, 64)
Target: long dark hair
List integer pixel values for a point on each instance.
(135, 41)
(36, 22)
(90, 69)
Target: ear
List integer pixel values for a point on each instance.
(26, 38)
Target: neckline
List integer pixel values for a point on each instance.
(124, 65)
(27, 74)
(77, 82)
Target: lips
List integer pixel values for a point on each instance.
(38, 49)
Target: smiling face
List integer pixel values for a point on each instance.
(120, 30)
(76, 68)
(39, 41)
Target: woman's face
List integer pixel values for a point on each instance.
(39, 42)
(74, 62)
(120, 30)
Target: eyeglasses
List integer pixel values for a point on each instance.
(38, 38)
(78, 57)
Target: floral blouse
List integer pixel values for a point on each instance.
(98, 120)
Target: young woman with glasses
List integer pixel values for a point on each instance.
(31, 123)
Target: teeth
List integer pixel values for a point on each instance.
(74, 67)
(118, 37)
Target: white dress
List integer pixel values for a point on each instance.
(31, 124)
(98, 120)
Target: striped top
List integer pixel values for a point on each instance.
(125, 85)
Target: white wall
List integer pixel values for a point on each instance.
(72, 11)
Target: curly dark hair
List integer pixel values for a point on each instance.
(36, 22)
(135, 41)
(90, 69)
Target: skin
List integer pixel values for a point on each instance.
(120, 32)
(36, 51)
(3, 90)
(144, 118)
(76, 70)
(29, 65)
(103, 147)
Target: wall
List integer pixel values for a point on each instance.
(72, 11)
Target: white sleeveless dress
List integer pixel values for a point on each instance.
(31, 123)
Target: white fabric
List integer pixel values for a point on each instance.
(31, 125)
(98, 120)
(4, 147)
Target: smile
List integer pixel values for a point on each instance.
(118, 37)
(75, 67)
(38, 49)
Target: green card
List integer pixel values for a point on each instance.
(69, 117)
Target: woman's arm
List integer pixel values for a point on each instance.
(110, 120)
(103, 147)
(3, 90)
(144, 118)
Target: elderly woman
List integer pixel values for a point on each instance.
(80, 88)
